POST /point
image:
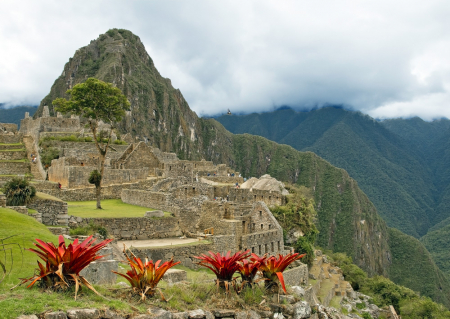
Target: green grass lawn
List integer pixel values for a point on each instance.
(15, 161)
(112, 208)
(13, 150)
(26, 229)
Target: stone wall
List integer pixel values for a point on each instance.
(88, 193)
(10, 138)
(297, 276)
(184, 254)
(9, 127)
(133, 228)
(19, 209)
(49, 124)
(244, 195)
(77, 176)
(155, 200)
(12, 155)
(14, 168)
(2, 200)
(54, 212)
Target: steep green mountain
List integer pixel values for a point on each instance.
(393, 175)
(437, 243)
(413, 267)
(15, 114)
(347, 219)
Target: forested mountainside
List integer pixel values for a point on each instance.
(400, 164)
(15, 114)
(347, 220)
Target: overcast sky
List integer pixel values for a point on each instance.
(386, 58)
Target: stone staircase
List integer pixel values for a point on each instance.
(37, 170)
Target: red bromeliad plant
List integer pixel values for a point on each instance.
(223, 266)
(272, 268)
(144, 277)
(63, 264)
(248, 270)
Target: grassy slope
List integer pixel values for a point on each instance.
(112, 208)
(26, 230)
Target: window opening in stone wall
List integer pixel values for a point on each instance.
(260, 213)
(270, 197)
(253, 250)
(243, 226)
(193, 190)
(255, 197)
(271, 246)
(254, 226)
(265, 248)
(270, 226)
(262, 226)
(259, 250)
(170, 168)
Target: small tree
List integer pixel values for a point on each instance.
(18, 192)
(96, 101)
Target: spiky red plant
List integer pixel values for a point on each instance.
(272, 268)
(248, 270)
(144, 277)
(223, 266)
(63, 264)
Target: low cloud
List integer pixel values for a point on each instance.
(385, 58)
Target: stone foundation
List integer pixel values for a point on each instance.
(53, 212)
(133, 228)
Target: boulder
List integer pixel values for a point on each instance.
(197, 314)
(55, 315)
(83, 314)
(158, 313)
(302, 309)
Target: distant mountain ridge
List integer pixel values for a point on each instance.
(406, 186)
(15, 114)
(347, 219)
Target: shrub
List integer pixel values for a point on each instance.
(48, 155)
(18, 192)
(223, 266)
(303, 246)
(63, 264)
(272, 268)
(120, 142)
(144, 277)
(89, 230)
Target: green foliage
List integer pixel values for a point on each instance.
(437, 243)
(120, 142)
(48, 154)
(89, 230)
(423, 308)
(352, 273)
(421, 273)
(95, 178)
(299, 213)
(365, 315)
(18, 192)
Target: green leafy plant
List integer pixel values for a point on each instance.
(18, 192)
(144, 277)
(62, 265)
(223, 266)
(272, 268)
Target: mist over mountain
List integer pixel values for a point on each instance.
(347, 219)
(13, 114)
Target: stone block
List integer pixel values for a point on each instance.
(154, 213)
(27, 317)
(83, 314)
(180, 315)
(222, 313)
(111, 315)
(175, 275)
(55, 315)
(197, 314)
(302, 310)
(158, 313)
(240, 315)
(100, 272)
